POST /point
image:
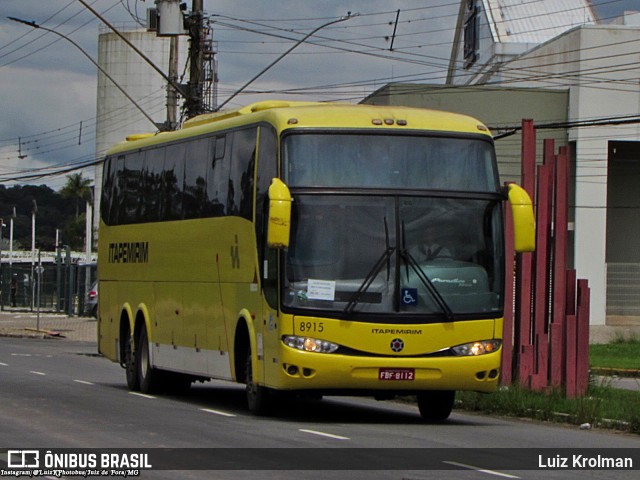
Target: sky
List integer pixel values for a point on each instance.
(48, 86)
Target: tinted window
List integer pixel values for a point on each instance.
(151, 185)
(195, 178)
(390, 161)
(240, 193)
(173, 181)
(202, 177)
(131, 173)
(108, 176)
(267, 170)
(216, 179)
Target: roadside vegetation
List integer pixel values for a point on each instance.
(621, 353)
(603, 406)
(55, 212)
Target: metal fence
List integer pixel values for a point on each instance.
(60, 286)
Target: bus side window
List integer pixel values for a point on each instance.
(117, 197)
(151, 186)
(216, 179)
(131, 178)
(173, 182)
(108, 176)
(241, 174)
(267, 170)
(195, 178)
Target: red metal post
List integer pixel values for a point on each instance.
(560, 263)
(582, 354)
(541, 287)
(522, 324)
(570, 303)
(506, 377)
(570, 365)
(557, 346)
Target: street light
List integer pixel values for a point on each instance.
(264, 70)
(2, 225)
(35, 25)
(34, 210)
(13, 215)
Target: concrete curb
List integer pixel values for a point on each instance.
(615, 372)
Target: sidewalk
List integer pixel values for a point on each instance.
(19, 322)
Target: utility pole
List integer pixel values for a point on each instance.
(172, 95)
(194, 101)
(34, 210)
(196, 92)
(200, 50)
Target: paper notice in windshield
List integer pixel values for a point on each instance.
(321, 289)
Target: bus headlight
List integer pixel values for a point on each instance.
(477, 348)
(308, 344)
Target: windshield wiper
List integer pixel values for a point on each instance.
(433, 291)
(373, 273)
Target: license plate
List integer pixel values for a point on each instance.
(394, 374)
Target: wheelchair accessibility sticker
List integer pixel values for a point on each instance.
(409, 296)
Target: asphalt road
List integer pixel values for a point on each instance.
(57, 394)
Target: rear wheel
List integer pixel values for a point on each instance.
(130, 366)
(150, 378)
(259, 398)
(436, 405)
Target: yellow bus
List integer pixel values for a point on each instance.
(309, 249)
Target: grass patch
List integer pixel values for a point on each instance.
(602, 406)
(621, 353)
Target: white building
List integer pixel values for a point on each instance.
(559, 44)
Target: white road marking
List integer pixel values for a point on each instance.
(141, 395)
(37, 373)
(4, 364)
(323, 434)
(84, 382)
(483, 470)
(217, 412)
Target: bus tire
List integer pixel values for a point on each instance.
(259, 398)
(130, 365)
(436, 405)
(149, 378)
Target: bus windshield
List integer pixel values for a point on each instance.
(395, 254)
(389, 161)
(436, 255)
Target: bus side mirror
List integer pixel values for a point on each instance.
(524, 223)
(279, 225)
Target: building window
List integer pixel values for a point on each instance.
(471, 37)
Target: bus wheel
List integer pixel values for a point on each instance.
(148, 377)
(259, 398)
(436, 405)
(130, 366)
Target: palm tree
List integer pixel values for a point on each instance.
(77, 188)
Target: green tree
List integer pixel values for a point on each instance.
(78, 189)
(73, 232)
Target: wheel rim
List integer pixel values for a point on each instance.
(144, 356)
(129, 361)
